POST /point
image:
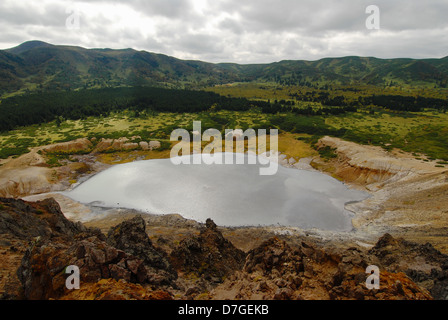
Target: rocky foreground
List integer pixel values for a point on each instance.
(131, 261)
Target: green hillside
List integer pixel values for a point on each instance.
(39, 66)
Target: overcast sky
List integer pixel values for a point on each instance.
(242, 31)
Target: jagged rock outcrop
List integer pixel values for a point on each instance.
(54, 243)
(23, 224)
(42, 271)
(131, 237)
(422, 263)
(276, 270)
(27, 220)
(208, 255)
(127, 255)
(126, 264)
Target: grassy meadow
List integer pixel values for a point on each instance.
(422, 133)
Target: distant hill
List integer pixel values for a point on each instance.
(29, 45)
(36, 65)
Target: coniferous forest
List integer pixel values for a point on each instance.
(44, 107)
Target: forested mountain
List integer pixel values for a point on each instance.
(37, 66)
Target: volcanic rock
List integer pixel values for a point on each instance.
(42, 271)
(131, 237)
(127, 265)
(276, 270)
(23, 224)
(27, 220)
(208, 255)
(422, 263)
(111, 289)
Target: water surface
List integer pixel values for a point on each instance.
(232, 195)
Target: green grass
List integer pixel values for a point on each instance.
(6, 152)
(54, 159)
(422, 134)
(327, 153)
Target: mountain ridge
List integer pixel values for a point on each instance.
(37, 65)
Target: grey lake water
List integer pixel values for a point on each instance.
(231, 195)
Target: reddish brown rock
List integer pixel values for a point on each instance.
(131, 237)
(110, 289)
(422, 263)
(129, 266)
(276, 270)
(42, 271)
(209, 255)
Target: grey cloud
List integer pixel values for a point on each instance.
(290, 15)
(412, 15)
(247, 31)
(231, 25)
(200, 43)
(343, 15)
(165, 8)
(21, 14)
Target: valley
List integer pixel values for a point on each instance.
(373, 125)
